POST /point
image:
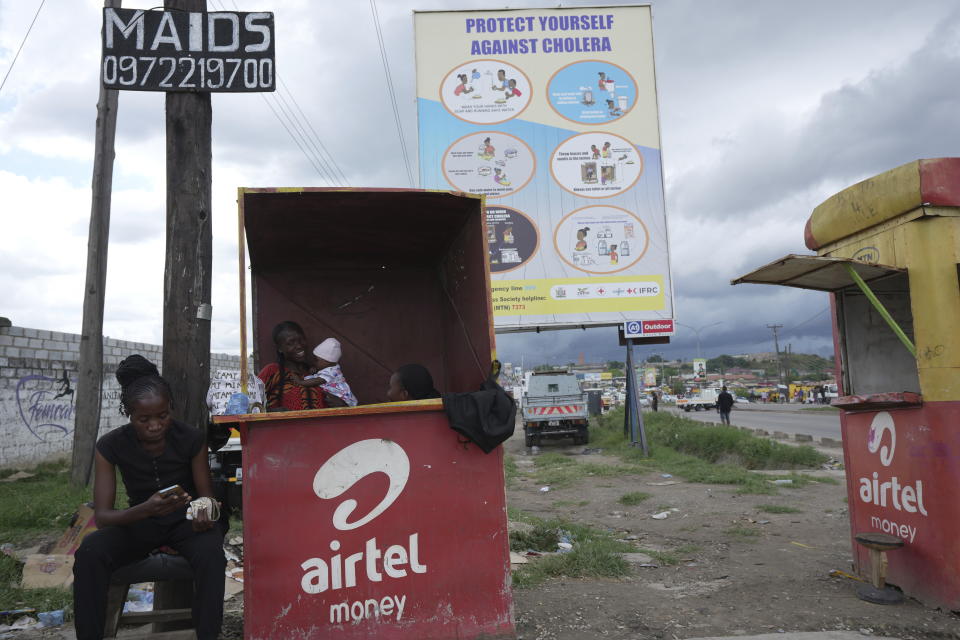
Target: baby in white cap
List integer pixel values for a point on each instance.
(328, 375)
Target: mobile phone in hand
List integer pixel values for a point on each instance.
(173, 490)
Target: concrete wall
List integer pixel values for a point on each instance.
(38, 376)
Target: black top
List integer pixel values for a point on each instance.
(725, 401)
(144, 475)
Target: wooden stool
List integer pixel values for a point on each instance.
(172, 596)
(877, 591)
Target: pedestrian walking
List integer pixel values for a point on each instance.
(724, 405)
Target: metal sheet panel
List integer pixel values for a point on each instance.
(431, 563)
(814, 272)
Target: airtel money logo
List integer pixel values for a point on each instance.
(350, 465)
(882, 423)
(892, 492)
(335, 477)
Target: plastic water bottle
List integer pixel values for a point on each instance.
(237, 404)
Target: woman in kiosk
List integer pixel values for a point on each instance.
(411, 382)
(294, 361)
(163, 464)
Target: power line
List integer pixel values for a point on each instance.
(393, 95)
(312, 147)
(294, 133)
(287, 112)
(328, 164)
(17, 55)
(297, 142)
(776, 347)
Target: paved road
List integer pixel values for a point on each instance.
(819, 424)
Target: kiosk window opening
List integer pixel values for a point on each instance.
(876, 360)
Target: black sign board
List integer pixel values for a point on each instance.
(186, 51)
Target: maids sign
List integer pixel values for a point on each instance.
(227, 51)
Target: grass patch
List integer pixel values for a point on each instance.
(33, 509)
(826, 407)
(777, 508)
(688, 549)
(596, 554)
(715, 443)
(741, 531)
(13, 597)
(633, 498)
(707, 454)
(571, 503)
(558, 470)
(664, 558)
(41, 505)
(510, 471)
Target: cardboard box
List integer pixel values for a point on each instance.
(42, 571)
(82, 524)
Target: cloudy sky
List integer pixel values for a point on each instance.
(767, 108)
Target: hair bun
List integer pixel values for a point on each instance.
(133, 368)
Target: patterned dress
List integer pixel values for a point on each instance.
(286, 393)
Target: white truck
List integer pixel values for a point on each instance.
(705, 399)
(554, 406)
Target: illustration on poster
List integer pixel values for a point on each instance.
(596, 165)
(592, 92)
(485, 91)
(489, 163)
(614, 236)
(512, 238)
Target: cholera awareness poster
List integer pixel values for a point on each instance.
(551, 115)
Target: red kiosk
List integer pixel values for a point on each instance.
(888, 250)
(374, 521)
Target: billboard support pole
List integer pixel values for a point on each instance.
(638, 436)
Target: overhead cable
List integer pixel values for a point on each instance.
(393, 94)
(17, 55)
(322, 161)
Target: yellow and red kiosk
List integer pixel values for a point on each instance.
(375, 521)
(888, 251)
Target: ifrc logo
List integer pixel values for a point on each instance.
(882, 423)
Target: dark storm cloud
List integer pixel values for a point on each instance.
(891, 117)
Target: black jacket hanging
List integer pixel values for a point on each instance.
(486, 417)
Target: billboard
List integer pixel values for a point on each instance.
(700, 368)
(650, 377)
(551, 114)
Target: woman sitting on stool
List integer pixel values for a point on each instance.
(153, 452)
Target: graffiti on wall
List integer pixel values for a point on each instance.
(46, 405)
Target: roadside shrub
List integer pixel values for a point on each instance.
(715, 443)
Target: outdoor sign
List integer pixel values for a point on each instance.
(226, 51)
(902, 475)
(647, 328)
(376, 525)
(551, 114)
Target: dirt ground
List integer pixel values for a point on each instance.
(727, 582)
(732, 583)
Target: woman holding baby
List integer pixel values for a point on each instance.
(301, 378)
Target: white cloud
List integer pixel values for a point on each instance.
(767, 109)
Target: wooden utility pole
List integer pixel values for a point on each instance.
(90, 381)
(189, 256)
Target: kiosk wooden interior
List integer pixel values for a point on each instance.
(397, 276)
